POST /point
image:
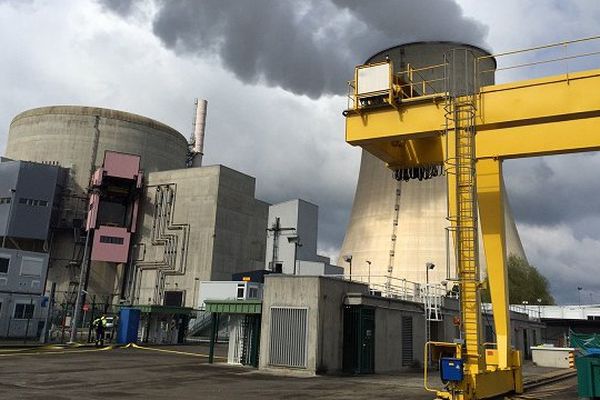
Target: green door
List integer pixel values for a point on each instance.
(359, 340)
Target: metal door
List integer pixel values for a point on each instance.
(359, 340)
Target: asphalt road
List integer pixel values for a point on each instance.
(179, 373)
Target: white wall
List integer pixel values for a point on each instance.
(302, 217)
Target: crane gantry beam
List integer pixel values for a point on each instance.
(554, 115)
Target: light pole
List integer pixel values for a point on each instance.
(296, 241)
(539, 301)
(348, 259)
(579, 289)
(428, 266)
(369, 273)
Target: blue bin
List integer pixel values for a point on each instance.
(129, 323)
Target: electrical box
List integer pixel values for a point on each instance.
(451, 369)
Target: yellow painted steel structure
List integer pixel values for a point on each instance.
(538, 117)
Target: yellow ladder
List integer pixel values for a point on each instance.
(460, 127)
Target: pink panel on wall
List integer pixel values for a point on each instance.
(92, 211)
(111, 244)
(97, 177)
(121, 165)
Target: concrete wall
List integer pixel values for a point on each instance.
(388, 331)
(215, 209)
(324, 299)
(317, 268)
(302, 220)
(552, 357)
(65, 135)
(302, 217)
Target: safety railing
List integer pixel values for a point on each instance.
(422, 81)
(399, 288)
(531, 312)
(563, 57)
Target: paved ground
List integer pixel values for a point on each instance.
(86, 373)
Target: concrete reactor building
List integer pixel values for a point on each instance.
(397, 227)
(158, 228)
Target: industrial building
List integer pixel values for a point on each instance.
(292, 240)
(29, 193)
(158, 222)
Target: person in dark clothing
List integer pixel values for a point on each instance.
(100, 325)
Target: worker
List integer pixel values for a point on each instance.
(100, 324)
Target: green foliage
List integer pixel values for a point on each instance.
(525, 283)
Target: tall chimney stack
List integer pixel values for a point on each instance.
(199, 126)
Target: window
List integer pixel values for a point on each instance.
(24, 311)
(4, 200)
(4, 263)
(33, 202)
(240, 291)
(173, 298)
(111, 239)
(32, 266)
(252, 293)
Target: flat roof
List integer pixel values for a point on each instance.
(234, 306)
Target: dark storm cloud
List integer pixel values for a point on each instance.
(554, 190)
(303, 46)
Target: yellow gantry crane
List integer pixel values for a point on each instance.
(416, 126)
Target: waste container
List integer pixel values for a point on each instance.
(588, 376)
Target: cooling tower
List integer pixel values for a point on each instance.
(400, 226)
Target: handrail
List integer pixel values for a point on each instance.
(412, 78)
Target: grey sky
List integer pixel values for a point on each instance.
(273, 70)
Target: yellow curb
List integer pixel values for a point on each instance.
(135, 346)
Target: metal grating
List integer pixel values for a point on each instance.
(288, 337)
(407, 341)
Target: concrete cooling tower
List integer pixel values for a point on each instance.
(397, 227)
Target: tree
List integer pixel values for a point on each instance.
(525, 284)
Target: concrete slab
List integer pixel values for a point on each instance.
(183, 372)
